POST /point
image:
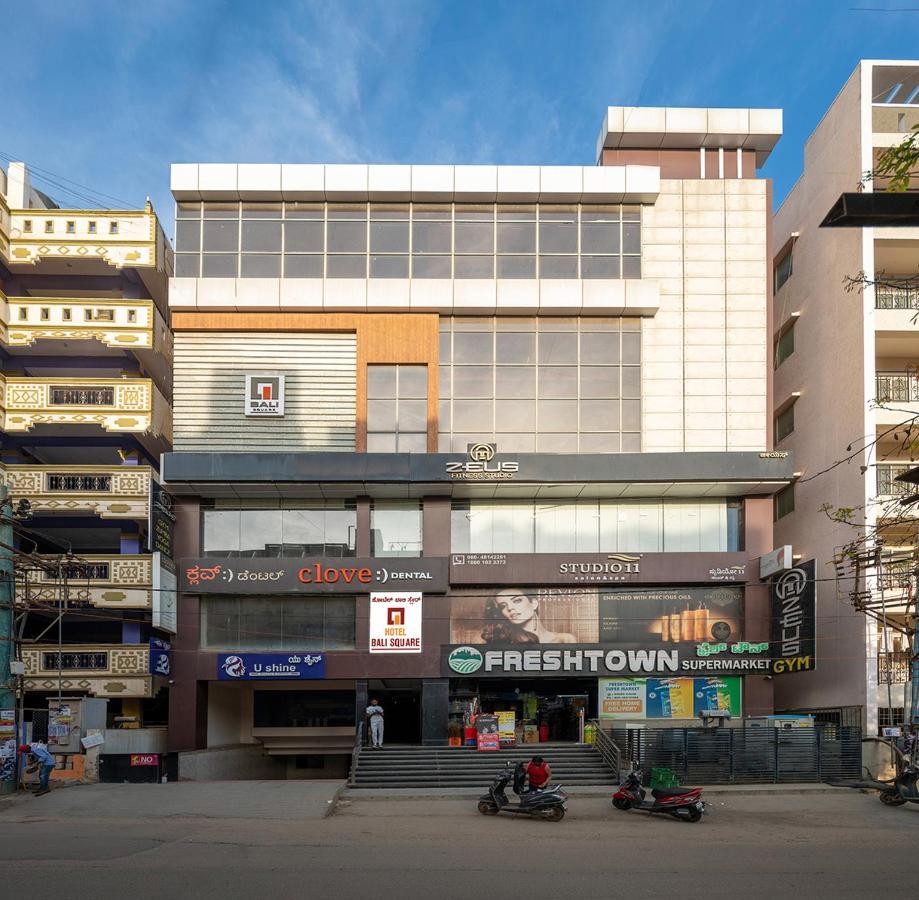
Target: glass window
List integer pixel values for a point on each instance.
(474, 267)
(303, 266)
(431, 266)
(515, 381)
(515, 348)
(389, 237)
(516, 232)
(260, 532)
(188, 236)
(411, 443)
(558, 349)
(557, 415)
(219, 265)
(221, 236)
(782, 270)
(341, 266)
(558, 230)
(413, 382)
(304, 237)
(599, 267)
(388, 266)
(381, 382)
(347, 237)
(221, 532)
(472, 381)
(601, 349)
(188, 210)
(278, 623)
(261, 236)
(785, 345)
(599, 415)
(558, 382)
(784, 424)
(432, 237)
(381, 415)
(558, 267)
(395, 528)
(472, 348)
(187, 265)
(221, 210)
(516, 267)
(413, 415)
(304, 211)
(260, 265)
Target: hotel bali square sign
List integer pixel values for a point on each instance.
(264, 395)
(395, 622)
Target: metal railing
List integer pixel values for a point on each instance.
(94, 484)
(887, 473)
(893, 667)
(896, 574)
(356, 752)
(607, 748)
(896, 297)
(81, 396)
(896, 387)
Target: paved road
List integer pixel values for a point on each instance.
(270, 840)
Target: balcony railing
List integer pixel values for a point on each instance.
(118, 237)
(896, 297)
(96, 580)
(896, 575)
(117, 323)
(131, 405)
(102, 670)
(896, 387)
(893, 667)
(887, 484)
(107, 491)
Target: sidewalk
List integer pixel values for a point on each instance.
(587, 790)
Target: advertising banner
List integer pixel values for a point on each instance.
(668, 698)
(395, 622)
(301, 575)
(646, 617)
(597, 568)
(507, 724)
(165, 603)
(160, 652)
(270, 666)
(486, 732)
(145, 759)
(794, 619)
(161, 525)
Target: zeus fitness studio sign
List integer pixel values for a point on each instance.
(794, 619)
(311, 576)
(479, 662)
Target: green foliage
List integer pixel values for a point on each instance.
(899, 162)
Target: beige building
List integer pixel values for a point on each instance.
(845, 383)
(85, 412)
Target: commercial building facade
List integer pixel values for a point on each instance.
(845, 402)
(472, 438)
(85, 413)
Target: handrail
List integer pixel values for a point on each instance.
(358, 740)
(607, 748)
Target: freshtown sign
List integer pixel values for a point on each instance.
(597, 660)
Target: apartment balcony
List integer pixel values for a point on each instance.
(893, 667)
(102, 581)
(97, 240)
(887, 484)
(101, 670)
(118, 405)
(111, 492)
(897, 396)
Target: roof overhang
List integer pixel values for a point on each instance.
(883, 209)
(539, 475)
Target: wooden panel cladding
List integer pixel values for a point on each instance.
(381, 338)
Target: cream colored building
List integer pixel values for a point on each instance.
(844, 383)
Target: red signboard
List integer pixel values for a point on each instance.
(486, 732)
(145, 759)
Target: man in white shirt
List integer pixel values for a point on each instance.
(375, 713)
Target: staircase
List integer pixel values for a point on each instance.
(459, 767)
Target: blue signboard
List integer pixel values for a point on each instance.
(159, 657)
(270, 666)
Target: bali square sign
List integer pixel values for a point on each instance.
(395, 622)
(264, 395)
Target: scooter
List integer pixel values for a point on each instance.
(549, 803)
(898, 791)
(681, 803)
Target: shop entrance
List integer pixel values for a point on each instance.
(401, 702)
(545, 709)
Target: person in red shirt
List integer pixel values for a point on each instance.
(538, 773)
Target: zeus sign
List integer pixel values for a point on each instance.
(794, 620)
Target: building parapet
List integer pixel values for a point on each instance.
(104, 581)
(101, 670)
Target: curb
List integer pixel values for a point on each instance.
(332, 805)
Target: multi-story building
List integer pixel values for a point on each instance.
(534, 399)
(85, 412)
(845, 401)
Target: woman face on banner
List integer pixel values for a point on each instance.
(517, 607)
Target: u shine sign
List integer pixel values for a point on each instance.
(395, 622)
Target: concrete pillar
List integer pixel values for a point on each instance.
(758, 689)
(362, 539)
(435, 708)
(436, 526)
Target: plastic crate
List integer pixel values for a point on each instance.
(664, 778)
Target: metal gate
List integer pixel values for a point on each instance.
(746, 755)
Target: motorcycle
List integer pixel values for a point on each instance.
(681, 803)
(549, 803)
(897, 791)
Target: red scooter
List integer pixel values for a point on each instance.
(681, 803)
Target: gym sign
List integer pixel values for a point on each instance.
(481, 465)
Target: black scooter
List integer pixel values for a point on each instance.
(898, 791)
(542, 804)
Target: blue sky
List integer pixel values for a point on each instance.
(108, 94)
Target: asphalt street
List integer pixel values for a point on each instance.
(275, 839)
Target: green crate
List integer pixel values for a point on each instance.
(664, 778)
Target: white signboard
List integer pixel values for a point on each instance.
(165, 604)
(395, 622)
(92, 740)
(264, 395)
(779, 560)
